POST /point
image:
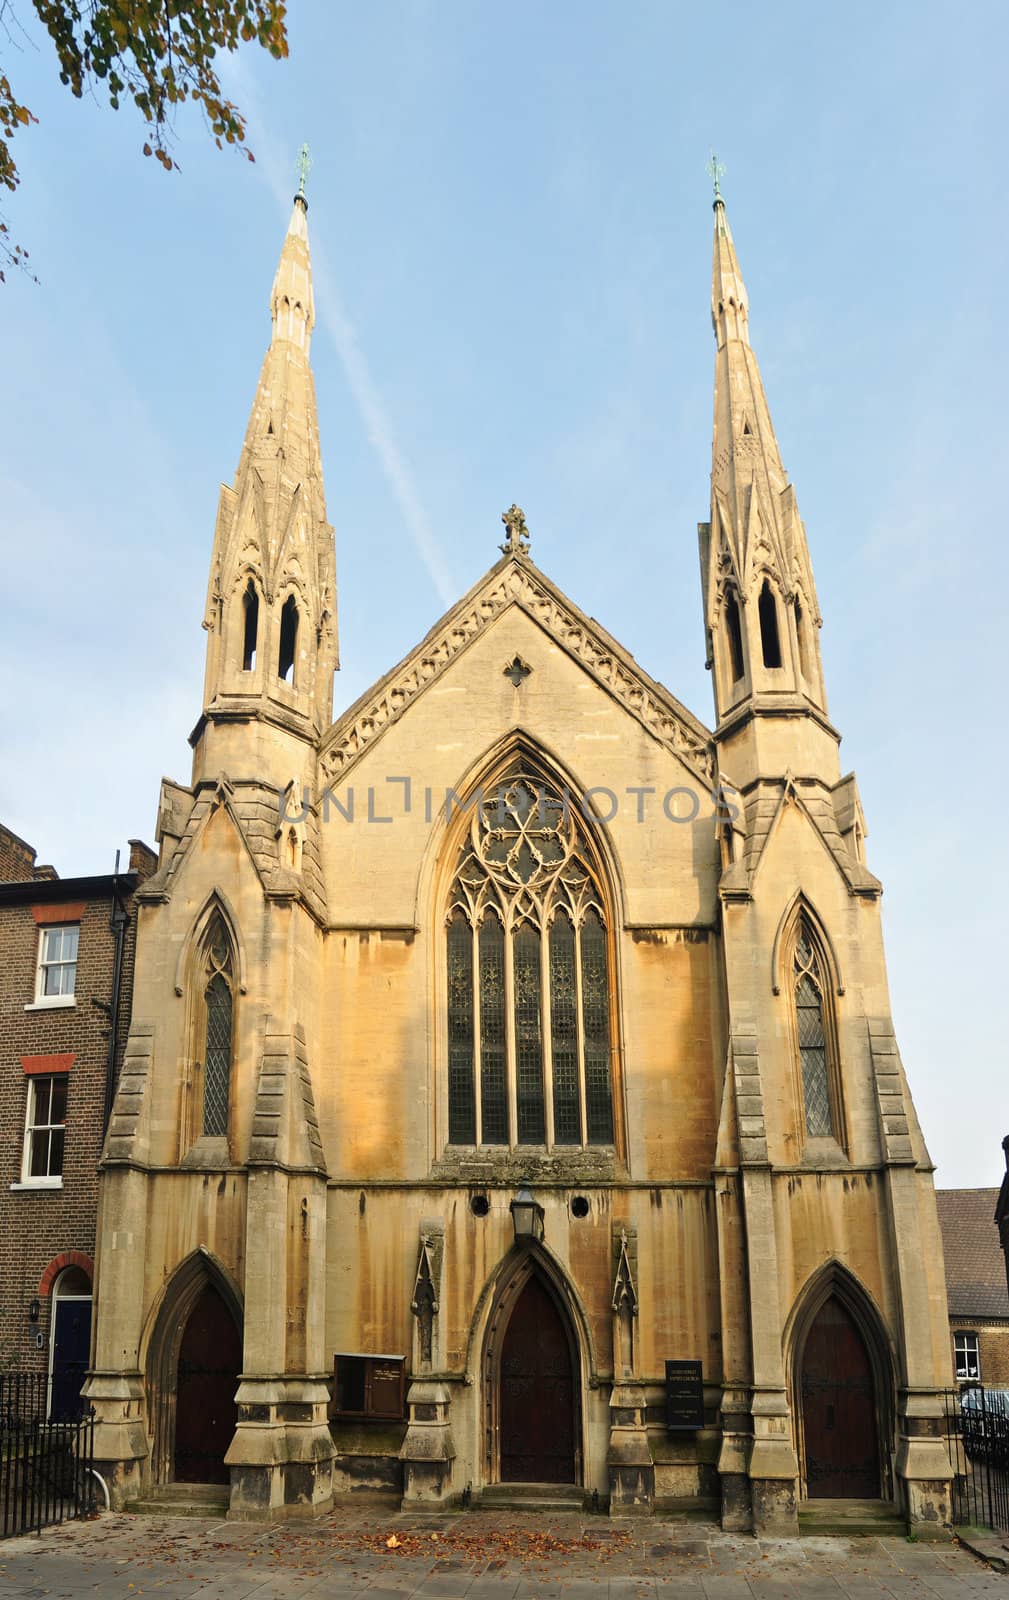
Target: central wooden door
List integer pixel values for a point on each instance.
(839, 1409)
(537, 1393)
(210, 1359)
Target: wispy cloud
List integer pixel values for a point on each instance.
(276, 167)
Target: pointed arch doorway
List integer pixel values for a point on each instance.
(194, 1362)
(532, 1384)
(210, 1359)
(839, 1408)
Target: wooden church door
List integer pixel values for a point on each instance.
(210, 1359)
(537, 1393)
(839, 1409)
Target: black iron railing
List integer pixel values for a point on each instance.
(977, 1422)
(23, 1398)
(46, 1468)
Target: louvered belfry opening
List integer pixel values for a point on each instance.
(529, 1011)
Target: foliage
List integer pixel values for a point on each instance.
(155, 53)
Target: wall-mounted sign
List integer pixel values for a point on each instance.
(684, 1396)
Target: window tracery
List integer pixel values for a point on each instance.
(218, 995)
(529, 1057)
(811, 1032)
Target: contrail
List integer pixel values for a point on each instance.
(333, 318)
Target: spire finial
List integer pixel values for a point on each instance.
(517, 543)
(304, 168)
(715, 170)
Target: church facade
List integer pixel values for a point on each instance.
(511, 1106)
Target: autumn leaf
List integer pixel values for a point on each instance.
(155, 54)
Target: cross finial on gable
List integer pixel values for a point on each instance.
(517, 543)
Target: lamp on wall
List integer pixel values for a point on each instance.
(527, 1216)
(34, 1308)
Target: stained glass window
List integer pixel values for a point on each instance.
(812, 1038)
(219, 1018)
(461, 1099)
(537, 1006)
(564, 1031)
(528, 1037)
(596, 1013)
(493, 1035)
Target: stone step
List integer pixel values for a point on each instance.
(184, 1500)
(877, 1518)
(542, 1497)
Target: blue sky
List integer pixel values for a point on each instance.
(511, 231)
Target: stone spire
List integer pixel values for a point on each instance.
(271, 601)
(761, 612)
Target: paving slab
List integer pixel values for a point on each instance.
(474, 1556)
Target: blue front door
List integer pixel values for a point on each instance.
(71, 1350)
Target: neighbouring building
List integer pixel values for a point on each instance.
(66, 970)
(1002, 1210)
(976, 1286)
(514, 1036)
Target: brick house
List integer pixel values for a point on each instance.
(1002, 1210)
(66, 976)
(976, 1286)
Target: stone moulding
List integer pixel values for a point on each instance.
(662, 716)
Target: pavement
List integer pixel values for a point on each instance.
(360, 1554)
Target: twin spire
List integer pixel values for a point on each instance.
(760, 604)
(271, 603)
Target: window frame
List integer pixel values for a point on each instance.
(599, 899)
(47, 1180)
(966, 1334)
(201, 970)
(42, 966)
(369, 1414)
(804, 922)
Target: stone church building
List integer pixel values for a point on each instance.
(514, 1035)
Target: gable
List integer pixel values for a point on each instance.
(382, 822)
(515, 582)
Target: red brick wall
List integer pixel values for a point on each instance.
(38, 1225)
(993, 1348)
(17, 859)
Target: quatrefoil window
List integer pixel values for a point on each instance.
(517, 671)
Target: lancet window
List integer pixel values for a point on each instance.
(288, 640)
(217, 980)
(529, 1014)
(812, 1033)
(735, 633)
(250, 626)
(802, 641)
(767, 609)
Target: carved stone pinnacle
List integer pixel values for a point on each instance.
(517, 542)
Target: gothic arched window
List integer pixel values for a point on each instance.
(217, 980)
(288, 639)
(770, 640)
(813, 1035)
(250, 626)
(734, 630)
(802, 641)
(529, 1022)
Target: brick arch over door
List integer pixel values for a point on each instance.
(66, 1258)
